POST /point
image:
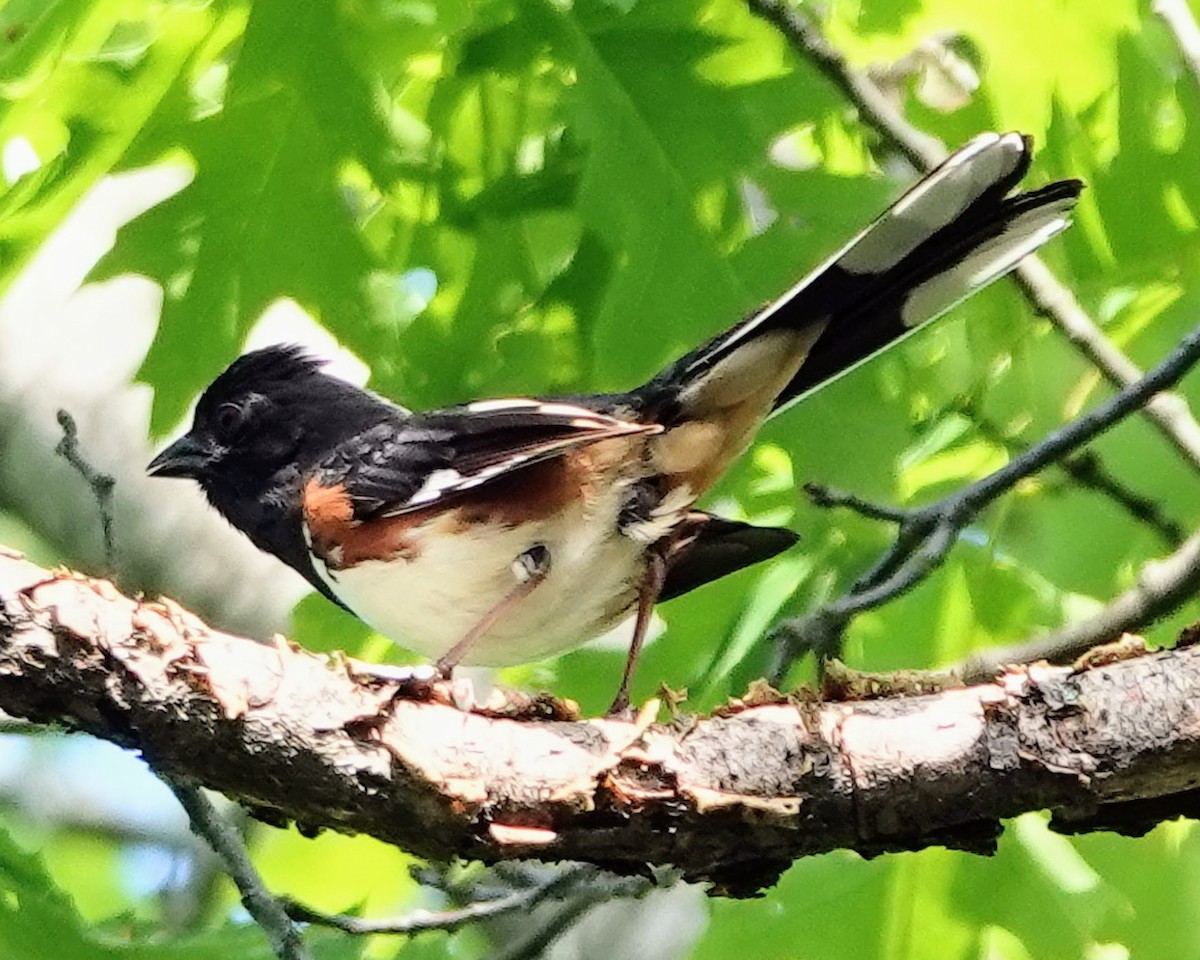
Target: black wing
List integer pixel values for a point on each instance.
(406, 465)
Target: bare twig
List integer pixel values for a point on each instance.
(1045, 292)
(101, 484)
(578, 887)
(927, 533)
(824, 496)
(1162, 585)
(1087, 471)
(268, 912)
(558, 885)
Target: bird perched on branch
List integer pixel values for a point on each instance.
(507, 530)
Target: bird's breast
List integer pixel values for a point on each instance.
(425, 578)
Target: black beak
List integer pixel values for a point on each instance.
(184, 458)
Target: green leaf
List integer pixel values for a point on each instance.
(266, 215)
(77, 107)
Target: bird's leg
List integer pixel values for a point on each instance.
(530, 568)
(652, 584)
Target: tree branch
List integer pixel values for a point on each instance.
(1086, 471)
(1162, 586)
(558, 884)
(267, 911)
(101, 484)
(577, 885)
(732, 798)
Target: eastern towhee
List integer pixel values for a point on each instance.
(507, 530)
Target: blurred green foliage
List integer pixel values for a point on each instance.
(39, 922)
(593, 187)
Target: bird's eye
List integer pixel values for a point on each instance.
(229, 420)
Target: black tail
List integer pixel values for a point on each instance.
(953, 233)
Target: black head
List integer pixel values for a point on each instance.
(271, 410)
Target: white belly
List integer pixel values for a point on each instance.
(429, 603)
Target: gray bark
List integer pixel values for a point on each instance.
(731, 798)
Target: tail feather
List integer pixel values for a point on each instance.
(951, 234)
(943, 271)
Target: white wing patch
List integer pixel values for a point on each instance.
(570, 410)
(579, 416)
(442, 482)
(507, 403)
(435, 485)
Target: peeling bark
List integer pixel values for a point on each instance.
(731, 798)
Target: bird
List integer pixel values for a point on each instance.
(507, 530)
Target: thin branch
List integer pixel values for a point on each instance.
(824, 496)
(1044, 291)
(578, 887)
(1090, 425)
(101, 484)
(557, 885)
(1087, 471)
(1162, 586)
(266, 909)
(927, 533)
